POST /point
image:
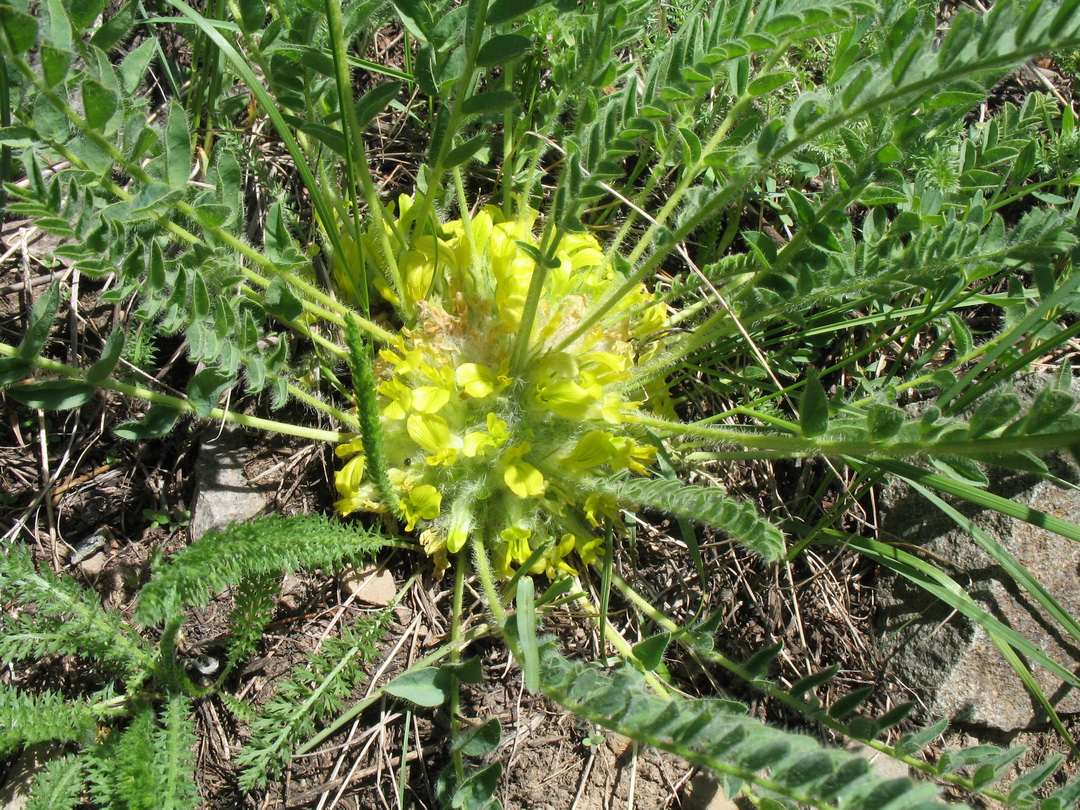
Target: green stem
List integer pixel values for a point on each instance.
(356, 162)
(520, 352)
(800, 447)
(182, 405)
(455, 657)
(474, 34)
(345, 418)
(483, 570)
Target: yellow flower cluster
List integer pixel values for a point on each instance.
(475, 451)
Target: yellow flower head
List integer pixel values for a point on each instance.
(475, 451)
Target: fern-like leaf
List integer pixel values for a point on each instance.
(67, 619)
(33, 718)
(174, 756)
(58, 785)
(255, 600)
(309, 695)
(709, 505)
(122, 768)
(268, 545)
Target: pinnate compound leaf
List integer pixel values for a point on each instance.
(719, 735)
(709, 505)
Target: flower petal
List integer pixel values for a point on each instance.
(475, 380)
(429, 431)
(429, 398)
(523, 479)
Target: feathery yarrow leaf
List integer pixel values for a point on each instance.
(65, 618)
(268, 545)
(33, 718)
(309, 695)
(58, 785)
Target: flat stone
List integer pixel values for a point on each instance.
(93, 565)
(373, 584)
(223, 494)
(948, 660)
(90, 546)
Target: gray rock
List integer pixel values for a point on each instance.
(948, 661)
(223, 493)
